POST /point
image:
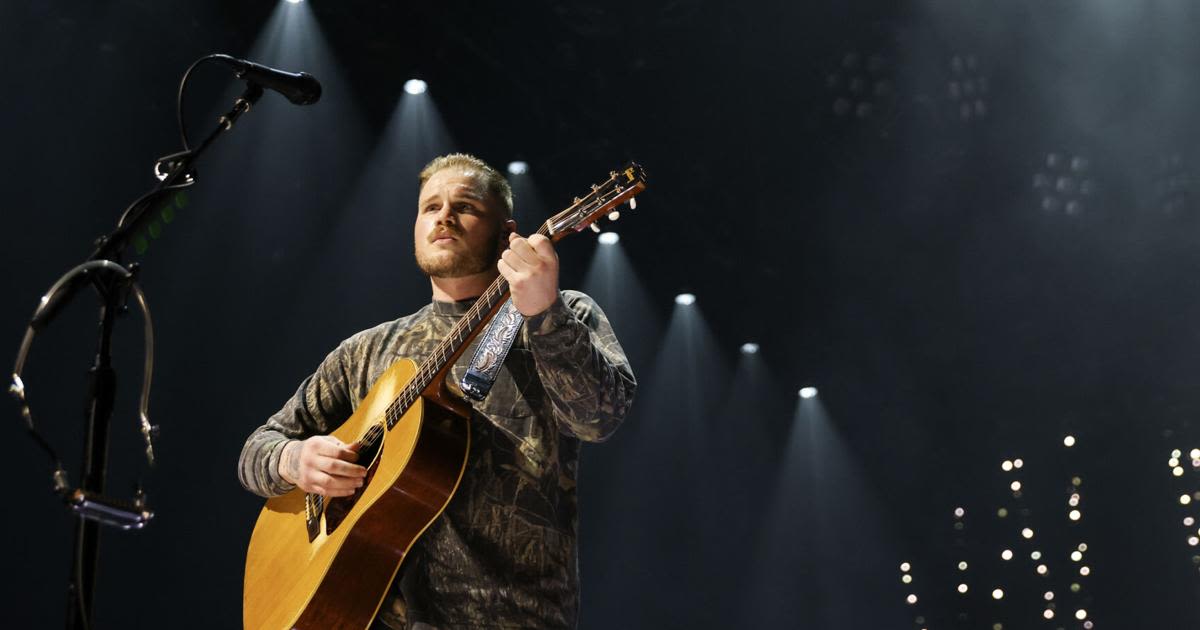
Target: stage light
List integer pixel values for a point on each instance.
(1007, 554)
(1069, 441)
(861, 86)
(1048, 614)
(1027, 533)
(905, 567)
(415, 86)
(1082, 547)
(962, 588)
(749, 348)
(608, 238)
(685, 299)
(295, 1)
(1049, 596)
(1017, 463)
(906, 578)
(1074, 500)
(959, 512)
(1185, 499)
(1076, 556)
(1176, 453)
(911, 599)
(1074, 515)
(962, 566)
(1177, 471)
(1036, 555)
(1193, 541)
(1195, 453)
(1081, 614)
(518, 167)
(1016, 486)
(967, 88)
(1084, 571)
(1042, 569)
(1188, 521)
(808, 392)
(1173, 462)
(1006, 466)
(1064, 185)
(998, 594)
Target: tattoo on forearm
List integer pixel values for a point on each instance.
(291, 463)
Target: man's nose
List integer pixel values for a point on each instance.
(445, 214)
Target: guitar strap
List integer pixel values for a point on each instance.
(494, 345)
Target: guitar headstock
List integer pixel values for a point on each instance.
(622, 186)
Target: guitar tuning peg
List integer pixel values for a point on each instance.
(595, 228)
(614, 215)
(633, 203)
(595, 187)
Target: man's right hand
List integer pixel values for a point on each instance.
(323, 465)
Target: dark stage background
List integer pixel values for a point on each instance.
(972, 225)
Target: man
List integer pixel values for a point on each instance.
(503, 554)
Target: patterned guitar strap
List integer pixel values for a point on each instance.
(497, 340)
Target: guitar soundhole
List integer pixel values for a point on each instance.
(337, 508)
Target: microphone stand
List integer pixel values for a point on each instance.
(113, 288)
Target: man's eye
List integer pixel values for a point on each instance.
(431, 208)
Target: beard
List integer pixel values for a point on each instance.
(452, 264)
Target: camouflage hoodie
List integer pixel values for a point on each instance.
(503, 554)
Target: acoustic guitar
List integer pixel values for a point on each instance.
(318, 563)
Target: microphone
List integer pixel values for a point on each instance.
(299, 88)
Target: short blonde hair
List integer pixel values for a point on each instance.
(493, 181)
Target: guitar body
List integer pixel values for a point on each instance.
(334, 570)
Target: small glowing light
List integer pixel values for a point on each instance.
(905, 567)
(748, 348)
(808, 392)
(1027, 533)
(1082, 547)
(1176, 453)
(1042, 569)
(962, 566)
(1188, 521)
(295, 1)
(685, 299)
(1081, 614)
(998, 594)
(1087, 625)
(1017, 463)
(1016, 486)
(1076, 556)
(911, 599)
(1049, 596)
(518, 167)
(1048, 613)
(1074, 500)
(1193, 541)
(1075, 587)
(1194, 453)
(1036, 555)
(1002, 512)
(1177, 471)
(1074, 515)
(611, 238)
(1076, 481)
(415, 86)
(1185, 499)
(1006, 465)
(962, 588)
(1084, 571)
(1174, 461)
(1196, 463)
(959, 512)
(906, 578)
(1007, 554)
(1069, 441)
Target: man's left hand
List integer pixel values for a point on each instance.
(531, 268)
